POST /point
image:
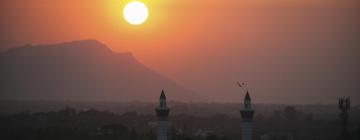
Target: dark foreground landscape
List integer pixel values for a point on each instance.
(189, 121)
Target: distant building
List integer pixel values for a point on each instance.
(247, 114)
(162, 113)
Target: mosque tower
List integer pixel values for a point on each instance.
(247, 114)
(162, 113)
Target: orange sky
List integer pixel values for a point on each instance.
(206, 45)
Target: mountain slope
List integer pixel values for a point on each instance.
(80, 70)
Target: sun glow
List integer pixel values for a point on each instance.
(135, 12)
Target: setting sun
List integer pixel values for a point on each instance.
(135, 12)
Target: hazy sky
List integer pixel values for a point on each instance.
(288, 51)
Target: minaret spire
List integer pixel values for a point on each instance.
(247, 114)
(247, 101)
(162, 100)
(162, 113)
(162, 96)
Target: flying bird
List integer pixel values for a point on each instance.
(241, 84)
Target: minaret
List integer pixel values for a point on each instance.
(162, 113)
(247, 113)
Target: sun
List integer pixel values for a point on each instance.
(135, 12)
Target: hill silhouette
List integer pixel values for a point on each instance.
(80, 70)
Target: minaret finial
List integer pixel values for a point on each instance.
(247, 96)
(247, 100)
(162, 96)
(162, 100)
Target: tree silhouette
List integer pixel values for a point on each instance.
(290, 113)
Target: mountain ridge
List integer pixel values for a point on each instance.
(81, 70)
